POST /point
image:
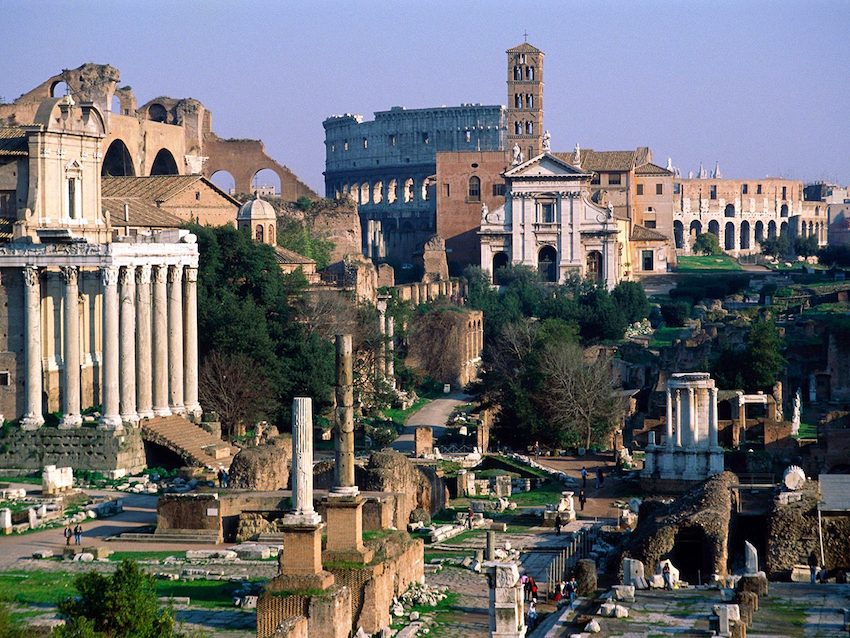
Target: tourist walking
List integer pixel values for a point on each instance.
(222, 478)
(665, 572)
(582, 499)
(572, 589)
(68, 534)
(584, 477)
(813, 567)
(599, 477)
(469, 516)
(78, 534)
(558, 523)
(532, 615)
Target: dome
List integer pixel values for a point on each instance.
(256, 209)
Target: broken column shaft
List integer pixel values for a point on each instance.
(344, 443)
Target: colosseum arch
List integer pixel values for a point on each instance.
(759, 231)
(745, 235)
(117, 162)
(714, 228)
(164, 163)
(729, 236)
(678, 234)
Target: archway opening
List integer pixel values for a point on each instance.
(157, 113)
(547, 263)
(364, 193)
(783, 212)
(759, 232)
(378, 192)
(783, 229)
(678, 234)
(225, 181)
(771, 229)
(408, 190)
(117, 161)
(59, 89)
(729, 211)
(747, 527)
(695, 231)
(745, 235)
(729, 239)
(164, 164)
(500, 261)
(714, 228)
(594, 265)
(392, 191)
(266, 183)
(115, 107)
(690, 554)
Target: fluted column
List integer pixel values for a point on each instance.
(391, 350)
(175, 339)
(678, 417)
(302, 464)
(71, 352)
(127, 329)
(109, 392)
(33, 418)
(712, 417)
(691, 417)
(160, 342)
(669, 443)
(190, 339)
(144, 387)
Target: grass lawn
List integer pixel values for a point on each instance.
(40, 588)
(549, 492)
(663, 337)
(401, 416)
(145, 556)
(700, 263)
(808, 431)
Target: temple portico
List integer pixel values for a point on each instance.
(147, 360)
(689, 450)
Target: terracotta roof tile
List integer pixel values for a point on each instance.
(6, 226)
(140, 213)
(525, 47)
(13, 141)
(156, 188)
(652, 169)
(285, 256)
(641, 233)
(602, 161)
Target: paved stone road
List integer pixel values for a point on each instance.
(436, 414)
(470, 617)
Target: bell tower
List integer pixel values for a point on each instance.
(525, 99)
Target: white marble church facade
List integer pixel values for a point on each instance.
(90, 320)
(549, 224)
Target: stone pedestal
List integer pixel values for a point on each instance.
(345, 530)
(716, 463)
(507, 616)
(301, 558)
(423, 441)
(691, 472)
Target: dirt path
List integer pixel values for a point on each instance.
(436, 414)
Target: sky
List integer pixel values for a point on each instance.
(760, 87)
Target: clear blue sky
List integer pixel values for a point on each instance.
(762, 87)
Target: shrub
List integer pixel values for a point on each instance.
(676, 312)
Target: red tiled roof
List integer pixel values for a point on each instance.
(13, 141)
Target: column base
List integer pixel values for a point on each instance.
(301, 555)
(32, 422)
(130, 419)
(195, 412)
(162, 412)
(147, 414)
(344, 492)
(309, 518)
(110, 423)
(177, 409)
(70, 421)
(345, 530)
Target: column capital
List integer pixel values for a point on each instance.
(175, 274)
(191, 274)
(109, 275)
(70, 275)
(158, 273)
(143, 274)
(126, 276)
(31, 275)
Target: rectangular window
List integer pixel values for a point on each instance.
(649, 223)
(744, 189)
(392, 140)
(647, 257)
(659, 189)
(447, 191)
(784, 192)
(72, 198)
(5, 378)
(613, 178)
(677, 188)
(595, 179)
(640, 189)
(425, 138)
(365, 143)
(8, 208)
(758, 189)
(713, 194)
(498, 190)
(548, 213)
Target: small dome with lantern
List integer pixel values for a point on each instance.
(260, 218)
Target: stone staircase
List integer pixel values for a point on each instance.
(192, 443)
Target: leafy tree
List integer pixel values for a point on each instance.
(304, 203)
(295, 235)
(776, 246)
(676, 312)
(835, 255)
(630, 299)
(806, 246)
(707, 244)
(122, 605)
(754, 367)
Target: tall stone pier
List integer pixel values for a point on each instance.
(344, 503)
(301, 557)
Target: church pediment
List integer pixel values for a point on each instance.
(545, 165)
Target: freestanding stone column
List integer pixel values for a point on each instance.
(160, 342)
(109, 392)
(678, 418)
(344, 444)
(716, 461)
(669, 442)
(71, 353)
(33, 419)
(144, 387)
(127, 329)
(344, 506)
(381, 305)
(692, 417)
(175, 339)
(190, 340)
(301, 557)
(390, 350)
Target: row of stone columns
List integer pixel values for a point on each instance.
(149, 355)
(679, 435)
(474, 339)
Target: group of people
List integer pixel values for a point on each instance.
(77, 534)
(600, 477)
(567, 589)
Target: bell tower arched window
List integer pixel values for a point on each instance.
(474, 189)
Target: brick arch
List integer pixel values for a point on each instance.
(243, 159)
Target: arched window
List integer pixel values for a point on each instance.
(594, 265)
(517, 128)
(117, 161)
(157, 113)
(378, 192)
(392, 191)
(745, 236)
(500, 260)
(729, 240)
(164, 164)
(529, 101)
(783, 212)
(518, 101)
(271, 233)
(529, 128)
(408, 190)
(678, 232)
(547, 264)
(759, 231)
(714, 228)
(529, 73)
(474, 189)
(258, 233)
(729, 211)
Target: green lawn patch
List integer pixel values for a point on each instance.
(700, 263)
(549, 492)
(401, 416)
(808, 431)
(145, 556)
(664, 337)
